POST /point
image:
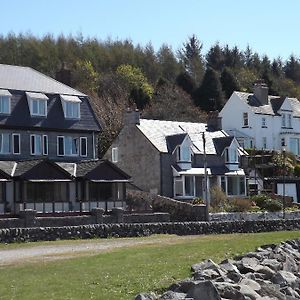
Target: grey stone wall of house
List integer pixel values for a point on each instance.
(167, 175)
(146, 229)
(52, 145)
(138, 158)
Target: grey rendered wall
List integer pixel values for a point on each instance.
(52, 145)
(137, 157)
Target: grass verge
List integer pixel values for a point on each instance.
(122, 273)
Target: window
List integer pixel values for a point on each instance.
(283, 120)
(100, 191)
(223, 184)
(185, 153)
(114, 155)
(231, 155)
(178, 187)
(45, 144)
(35, 144)
(47, 192)
(189, 185)
(5, 143)
(4, 104)
(67, 145)
(16, 143)
(38, 107)
(83, 146)
(294, 146)
(71, 109)
(235, 185)
(264, 142)
(263, 122)
(282, 142)
(289, 120)
(245, 120)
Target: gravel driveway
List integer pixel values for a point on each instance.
(56, 251)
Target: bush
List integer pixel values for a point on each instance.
(239, 205)
(219, 200)
(266, 202)
(297, 170)
(198, 201)
(259, 199)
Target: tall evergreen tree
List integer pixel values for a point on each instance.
(192, 59)
(185, 81)
(292, 69)
(215, 58)
(229, 82)
(209, 95)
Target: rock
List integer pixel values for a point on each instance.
(208, 274)
(207, 264)
(251, 283)
(284, 278)
(229, 265)
(229, 291)
(248, 264)
(169, 295)
(146, 296)
(204, 290)
(184, 285)
(266, 271)
(272, 291)
(272, 264)
(246, 290)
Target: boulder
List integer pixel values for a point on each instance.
(146, 296)
(207, 264)
(170, 295)
(204, 290)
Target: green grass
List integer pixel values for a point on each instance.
(122, 273)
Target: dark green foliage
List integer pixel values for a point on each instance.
(265, 202)
(209, 96)
(292, 69)
(297, 170)
(215, 58)
(229, 82)
(185, 81)
(139, 97)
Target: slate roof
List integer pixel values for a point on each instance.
(19, 80)
(275, 103)
(221, 143)
(99, 170)
(158, 132)
(27, 79)
(174, 140)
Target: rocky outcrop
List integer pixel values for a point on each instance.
(269, 273)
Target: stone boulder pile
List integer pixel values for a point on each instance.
(271, 272)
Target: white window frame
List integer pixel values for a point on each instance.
(45, 149)
(38, 114)
(57, 142)
(86, 146)
(32, 151)
(114, 154)
(13, 143)
(2, 97)
(263, 122)
(65, 103)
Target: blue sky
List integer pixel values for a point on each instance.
(270, 27)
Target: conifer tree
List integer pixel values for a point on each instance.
(229, 83)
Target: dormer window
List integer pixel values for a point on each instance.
(231, 155)
(71, 106)
(286, 120)
(37, 104)
(184, 153)
(5, 96)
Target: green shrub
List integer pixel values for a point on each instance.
(260, 199)
(272, 205)
(239, 205)
(297, 170)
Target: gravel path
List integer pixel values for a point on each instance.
(63, 251)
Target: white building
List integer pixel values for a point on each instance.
(261, 121)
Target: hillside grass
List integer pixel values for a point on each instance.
(122, 273)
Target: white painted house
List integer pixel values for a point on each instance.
(261, 121)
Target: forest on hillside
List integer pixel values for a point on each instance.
(174, 84)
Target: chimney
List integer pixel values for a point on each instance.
(214, 121)
(261, 92)
(132, 117)
(64, 75)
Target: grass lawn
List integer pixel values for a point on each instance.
(122, 273)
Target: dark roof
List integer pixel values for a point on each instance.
(30, 80)
(222, 142)
(20, 115)
(221, 170)
(100, 170)
(174, 140)
(40, 169)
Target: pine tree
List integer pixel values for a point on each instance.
(229, 83)
(215, 58)
(209, 95)
(185, 81)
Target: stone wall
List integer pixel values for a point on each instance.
(248, 216)
(143, 229)
(178, 210)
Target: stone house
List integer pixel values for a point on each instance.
(168, 158)
(48, 152)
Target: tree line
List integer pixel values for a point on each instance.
(179, 84)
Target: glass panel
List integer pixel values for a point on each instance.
(242, 185)
(178, 187)
(223, 184)
(83, 147)
(100, 191)
(186, 154)
(4, 104)
(42, 107)
(74, 146)
(35, 107)
(232, 185)
(45, 144)
(38, 144)
(189, 186)
(5, 143)
(68, 145)
(199, 186)
(47, 192)
(16, 143)
(61, 146)
(294, 145)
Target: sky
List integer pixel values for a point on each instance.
(269, 27)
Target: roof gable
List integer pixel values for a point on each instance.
(173, 141)
(222, 143)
